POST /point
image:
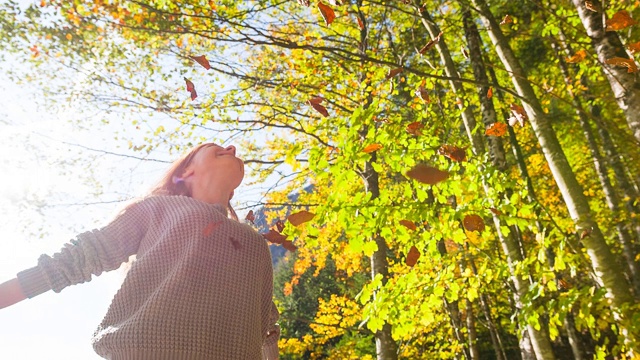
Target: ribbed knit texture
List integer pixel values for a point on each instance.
(201, 286)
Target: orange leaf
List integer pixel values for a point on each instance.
(634, 48)
(490, 93)
(360, 23)
(289, 245)
(577, 57)
(371, 148)
(427, 174)
(208, 230)
(300, 217)
(430, 44)
(315, 104)
(496, 129)
(506, 20)
(423, 94)
(408, 224)
(620, 20)
(250, 216)
(415, 128)
(495, 211)
(519, 115)
(628, 63)
(394, 72)
(327, 13)
(453, 152)
(202, 60)
(274, 237)
(191, 88)
(473, 222)
(590, 6)
(412, 256)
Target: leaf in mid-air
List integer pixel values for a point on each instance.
(412, 256)
(473, 222)
(250, 216)
(202, 60)
(430, 44)
(496, 129)
(371, 148)
(191, 89)
(427, 174)
(506, 20)
(300, 217)
(634, 48)
(394, 72)
(577, 57)
(288, 244)
(619, 61)
(490, 93)
(590, 6)
(519, 115)
(423, 94)
(620, 20)
(315, 104)
(408, 224)
(415, 128)
(453, 152)
(327, 13)
(279, 225)
(274, 237)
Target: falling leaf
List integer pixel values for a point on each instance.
(620, 20)
(279, 225)
(628, 63)
(634, 48)
(490, 93)
(304, 2)
(423, 94)
(191, 88)
(497, 129)
(250, 216)
(519, 115)
(274, 237)
(327, 13)
(287, 244)
(585, 233)
(412, 256)
(464, 52)
(590, 6)
(453, 152)
(430, 44)
(202, 60)
(427, 174)
(300, 217)
(473, 222)
(394, 72)
(315, 104)
(563, 284)
(495, 211)
(360, 23)
(577, 57)
(506, 20)
(208, 230)
(408, 224)
(371, 148)
(415, 128)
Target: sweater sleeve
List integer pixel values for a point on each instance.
(90, 253)
(270, 349)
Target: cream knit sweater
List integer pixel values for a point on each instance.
(201, 286)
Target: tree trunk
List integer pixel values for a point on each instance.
(605, 265)
(471, 332)
(607, 45)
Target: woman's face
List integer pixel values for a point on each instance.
(215, 163)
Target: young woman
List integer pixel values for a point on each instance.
(201, 286)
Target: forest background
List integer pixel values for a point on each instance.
(471, 167)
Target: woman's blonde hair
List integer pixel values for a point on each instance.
(172, 183)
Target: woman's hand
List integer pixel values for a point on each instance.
(10, 293)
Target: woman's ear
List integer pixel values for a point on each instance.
(187, 173)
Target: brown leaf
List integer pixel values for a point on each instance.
(208, 230)
(202, 60)
(289, 245)
(453, 152)
(279, 225)
(415, 128)
(506, 20)
(620, 20)
(590, 6)
(577, 57)
(412, 256)
(465, 53)
(496, 129)
(430, 44)
(191, 88)
(250, 216)
(300, 217)
(495, 211)
(628, 63)
(473, 222)
(427, 174)
(371, 148)
(327, 13)
(394, 72)
(304, 2)
(585, 233)
(408, 224)
(634, 48)
(519, 115)
(315, 104)
(423, 94)
(274, 237)
(490, 93)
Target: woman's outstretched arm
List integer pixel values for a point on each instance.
(10, 293)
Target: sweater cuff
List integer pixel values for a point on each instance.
(33, 282)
